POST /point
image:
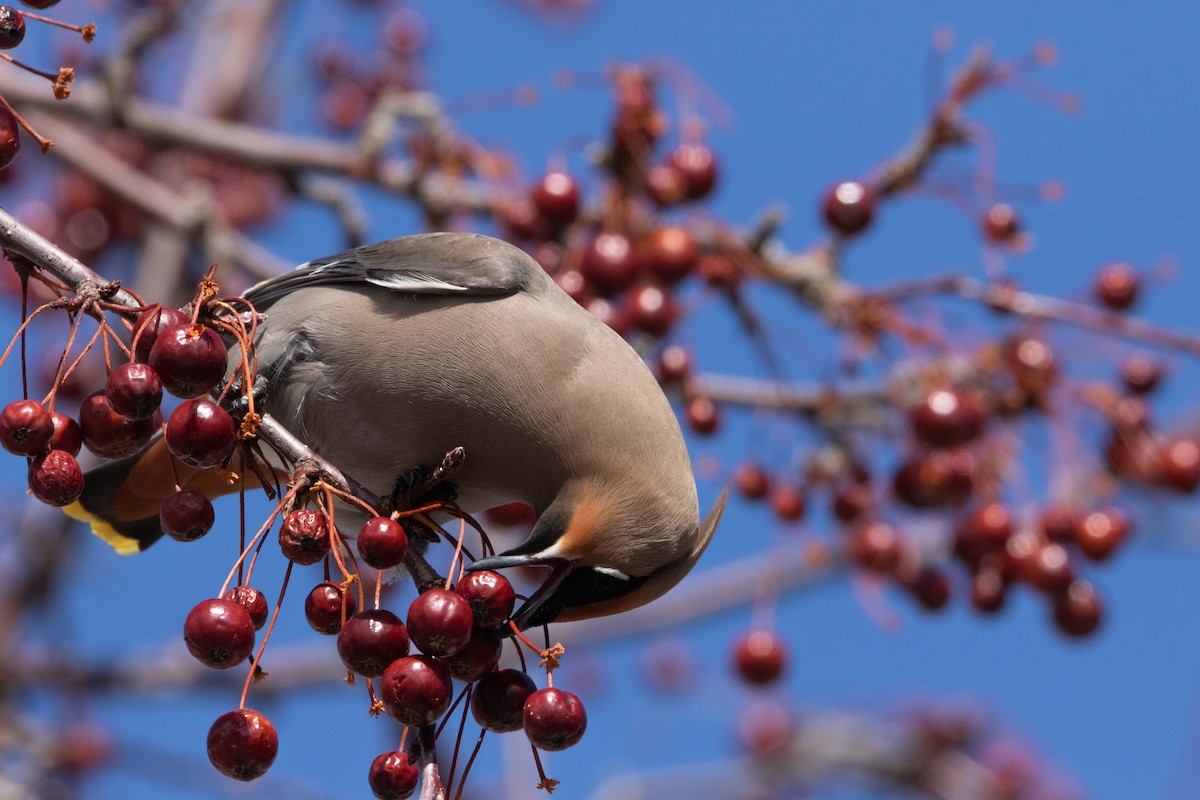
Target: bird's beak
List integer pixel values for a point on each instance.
(560, 568)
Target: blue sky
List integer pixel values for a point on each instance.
(815, 92)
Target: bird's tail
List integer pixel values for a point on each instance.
(121, 498)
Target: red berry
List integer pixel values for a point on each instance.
(752, 481)
(947, 418)
(556, 197)
(1033, 365)
(1099, 533)
(554, 719)
(703, 415)
(875, 546)
(665, 185)
(1078, 610)
(1117, 286)
(849, 207)
(323, 607)
(1001, 223)
(242, 744)
(393, 776)
(12, 27)
(851, 501)
(1058, 522)
(788, 502)
(498, 703)
(518, 217)
(370, 640)
(10, 137)
(254, 601)
(39, 4)
(511, 514)
(478, 658)
(697, 166)
(149, 325)
(992, 523)
(190, 359)
(988, 590)
(109, 435)
(490, 596)
(573, 283)
(67, 436)
(931, 589)
(670, 253)
(382, 542)
(219, 633)
(440, 622)
(200, 433)
(611, 312)
(1141, 373)
(55, 478)
(416, 690)
(1180, 464)
(935, 478)
(26, 427)
(186, 516)
(1049, 567)
(760, 656)
(134, 390)
(304, 536)
(674, 364)
(651, 309)
(608, 262)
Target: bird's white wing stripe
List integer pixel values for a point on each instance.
(413, 281)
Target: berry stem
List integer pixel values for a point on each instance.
(462, 725)
(44, 144)
(467, 769)
(287, 574)
(88, 31)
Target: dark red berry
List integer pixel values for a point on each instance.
(200, 433)
(219, 633)
(697, 166)
(242, 744)
(478, 658)
(150, 324)
(186, 516)
(323, 607)
(703, 415)
(609, 263)
(26, 427)
(851, 501)
(416, 690)
(498, 703)
(670, 253)
(992, 523)
(489, 595)
(109, 435)
(849, 207)
(440, 622)
(1101, 532)
(556, 197)
(988, 590)
(760, 656)
(1117, 286)
(674, 364)
(511, 514)
(610, 311)
(190, 359)
(1058, 522)
(55, 478)
(393, 776)
(875, 546)
(1180, 464)
(1001, 224)
(518, 217)
(788, 502)
(554, 719)
(1049, 567)
(304, 536)
(1078, 610)
(12, 27)
(254, 601)
(1141, 373)
(10, 137)
(41, 5)
(370, 640)
(947, 418)
(1033, 365)
(382, 542)
(751, 481)
(935, 478)
(67, 436)
(134, 390)
(651, 309)
(573, 283)
(931, 588)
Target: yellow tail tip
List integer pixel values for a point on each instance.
(124, 545)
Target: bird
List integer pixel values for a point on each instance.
(387, 356)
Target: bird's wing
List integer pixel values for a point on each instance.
(464, 264)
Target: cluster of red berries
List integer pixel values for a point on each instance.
(457, 631)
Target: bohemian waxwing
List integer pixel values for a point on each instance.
(385, 357)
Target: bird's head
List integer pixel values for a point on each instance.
(608, 551)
